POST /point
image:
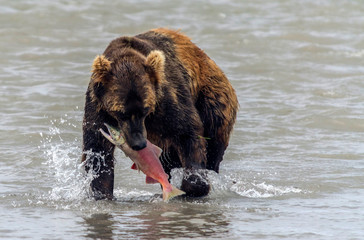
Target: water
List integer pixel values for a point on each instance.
(294, 167)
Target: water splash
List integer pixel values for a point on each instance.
(68, 180)
(69, 184)
(225, 185)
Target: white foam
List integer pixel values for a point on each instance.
(223, 185)
(262, 190)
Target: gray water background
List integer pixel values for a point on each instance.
(295, 165)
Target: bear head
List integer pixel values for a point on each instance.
(127, 87)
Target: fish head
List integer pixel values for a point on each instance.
(115, 135)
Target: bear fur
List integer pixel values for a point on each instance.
(158, 86)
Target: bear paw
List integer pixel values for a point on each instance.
(195, 183)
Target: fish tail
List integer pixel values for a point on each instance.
(171, 194)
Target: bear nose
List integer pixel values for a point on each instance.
(138, 142)
(139, 146)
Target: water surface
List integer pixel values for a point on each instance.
(294, 167)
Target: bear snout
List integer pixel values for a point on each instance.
(137, 141)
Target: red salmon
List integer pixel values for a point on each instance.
(145, 160)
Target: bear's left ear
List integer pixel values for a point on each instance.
(155, 60)
(100, 68)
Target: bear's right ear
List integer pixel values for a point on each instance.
(100, 69)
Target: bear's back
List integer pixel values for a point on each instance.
(200, 69)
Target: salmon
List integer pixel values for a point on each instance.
(145, 160)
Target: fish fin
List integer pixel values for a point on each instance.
(150, 180)
(174, 193)
(134, 166)
(157, 150)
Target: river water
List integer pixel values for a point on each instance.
(295, 165)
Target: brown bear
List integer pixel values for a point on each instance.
(158, 86)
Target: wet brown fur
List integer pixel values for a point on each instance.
(208, 80)
(187, 97)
